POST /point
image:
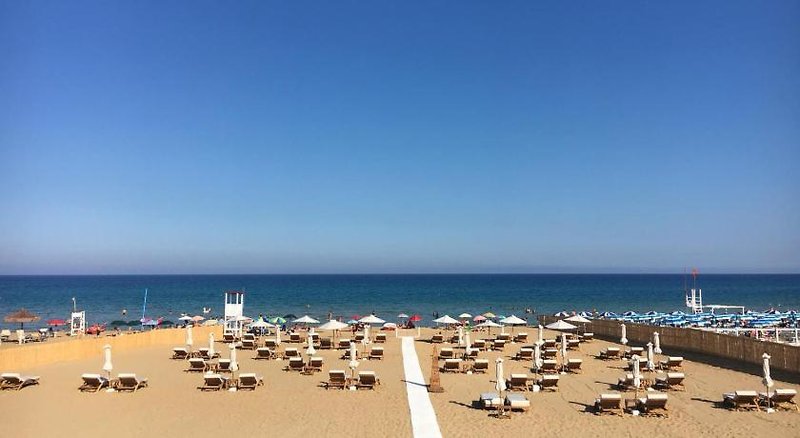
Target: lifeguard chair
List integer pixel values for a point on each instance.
(234, 312)
(77, 323)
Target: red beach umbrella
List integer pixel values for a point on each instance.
(56, 322)
(479, 318)
(415, 318)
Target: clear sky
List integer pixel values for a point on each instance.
(315, 137)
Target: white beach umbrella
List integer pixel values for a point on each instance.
(500, 383)
(447, 319)
(108, 366)
(467, 342)
(234, 364)
(623, 339)
(353, 361)
(261, 324)
(460, 336)
(767, 380)
(656, 343)
(651, 363)
(185, 318)
(277, 335)
(637, 375)
(564, 351)
(578, 318)
(310, 351)
(465, 315)
(513, 320)
(189, 340)
(305, 319)
(211, 351)
(333, 325)
(560, 325)
(537, 355)
(541, 334)
(371, 319)
(365, 341)
(402, 316)
(489, 324)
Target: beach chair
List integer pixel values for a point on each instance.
(671, 363)
(739, 400)
(129, 382)
(295, 364)
(264, 353)
(517, 401)
(197, 364)
(518, 382)
(479, 344)
(504, 337)
(93, 383)
(344, 344)
(325, 343)
(248, 344)
(780, 399)
(549, 382)
(376, 353)
(205, 354)
(521, 337)
(498, 345)
(290, 353)
(610, 353)
(380, 338)
(315, 364)
(480, 366)
(367, 380)
(608, 404)
(250, 381)
(336, 379)
(549, 353)
(248, 337)
(180, 353)
(490, 400)
(653, 404)
(223, 366)
(639, 351)
(670, 381)
(549, 366)
(294, 338)
(573, 344)
(213, 382)
(446, 353)
(451, 366)
(587, 337)
(471, 354)
(271, 344)
(549, 343)
(16, 381)
(625, 381)
(437, 339)
(5, 335)
(524, 353)
(642, 363)
(228, 338)
(574, 365)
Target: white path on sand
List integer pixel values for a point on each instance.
(423, 417)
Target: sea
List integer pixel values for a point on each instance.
(121, 297)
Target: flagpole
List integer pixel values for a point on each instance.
(144, 307)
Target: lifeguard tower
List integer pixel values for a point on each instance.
(234, 312)
(77, 320)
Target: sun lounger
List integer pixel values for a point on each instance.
(325, 344)
(130, 382)
(490, 400)
(376, 353)
(315, 364)
(358, 338)
(479, 344)
(294, 338)
(480, 366)
(367, 380)
(290, 353)
(250, 381)
(638, 351)
(524, 353)
(498, 345)
(625, 381)
(295, 364)
(670, 381)
(446, 353)
(573, 344)
(642, 363)
(549, 366)
(518, 382)
(504, 337)
(264, 353)
(549, 343)
(654, 403)
(380, 338)
(16, 381)
(180, 353)
(521, 337)
(336, 379)
(780, 399)
(587, 337)
(610, 353)
(271, 344)
(344, 344)
(472, 354)
(451, 366)
(608, 404)
(228, 338)
(517, 401)
(5, 335)
(93, 383)
(574, 365)
(197, 364)
(549, 382)
(437, 339)
(672, 362)
(224, 366)
(213, 382)
(741, 400)
(205, 354)
(248, 344)
(549, 353)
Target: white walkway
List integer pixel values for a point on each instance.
(423, 417)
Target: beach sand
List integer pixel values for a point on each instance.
(293, 403)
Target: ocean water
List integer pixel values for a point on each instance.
(104, 297)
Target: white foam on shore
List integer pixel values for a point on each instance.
(423, 417)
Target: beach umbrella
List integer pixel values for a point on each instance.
(305, 319)
(371, 319)
(479, 318)
(500, 381)
(210, 322)
(460, 336)
(512, 321)
(402, 316)
(261, 324)
(465, 315)
(310, 351)
(333, 325)
(365, 341)
(211, 351)
(564, 351)
(447, 319)
(185, 318)
(277, 320)
(467, 342)
(390, 325)
(637, 375)
(623, 339)
(21, 316)
(537, 355)
(656, 343)
(541, 334)
(489, 315)
(289, 316)
(415, 318)
(198, 318)
(234, 364)
(277, 336)
(767, 380)
(108, 366)
(353, 361)
(651, 363)
(60, 322)
(189, 340)
(560, 325)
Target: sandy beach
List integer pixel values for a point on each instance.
(293, 403)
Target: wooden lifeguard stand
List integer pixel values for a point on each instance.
(234, 312)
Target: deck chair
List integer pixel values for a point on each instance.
(197, 364)
(521, 337)
(549, 353)
(451, 366)
(642, 363)
(294, 338)
(437, 339)
(228, 338)
(290, 353)
(213, 382)
(780, 399)
(587, 337)
(224, 366)
(549, 343)
(573, 344)
(480, 366)
(271, 344)
(130, 382)
(610, 353)
(93, 383)
(608, 404)
(344, 344)
(639, 351)
(376, 353)
(549, 382)
(336, 379)
(739, 400)
(250, 381)
(490, 400)
(472, 354)
(5, 335)
(654, 403)
(479, 344)
(549, 366)
(504, 337)
(625, 382)
(672, 362)
(518, 382)
(498, 345)
(16, 381)
(446, 353)
(671, 381)
(380, 338)
(524, 353)
(205, 355)
(515, 400)
(180, 353)
(295, 364)
(367, 380)
(325, 344)
(248, 344)
(574, 365)
(264, 353)
(359, 338)
(315, 364)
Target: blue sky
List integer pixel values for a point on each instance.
(310, 137)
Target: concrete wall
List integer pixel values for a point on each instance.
(740, 350)
(21, 358)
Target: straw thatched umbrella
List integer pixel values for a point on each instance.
(21, 316)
